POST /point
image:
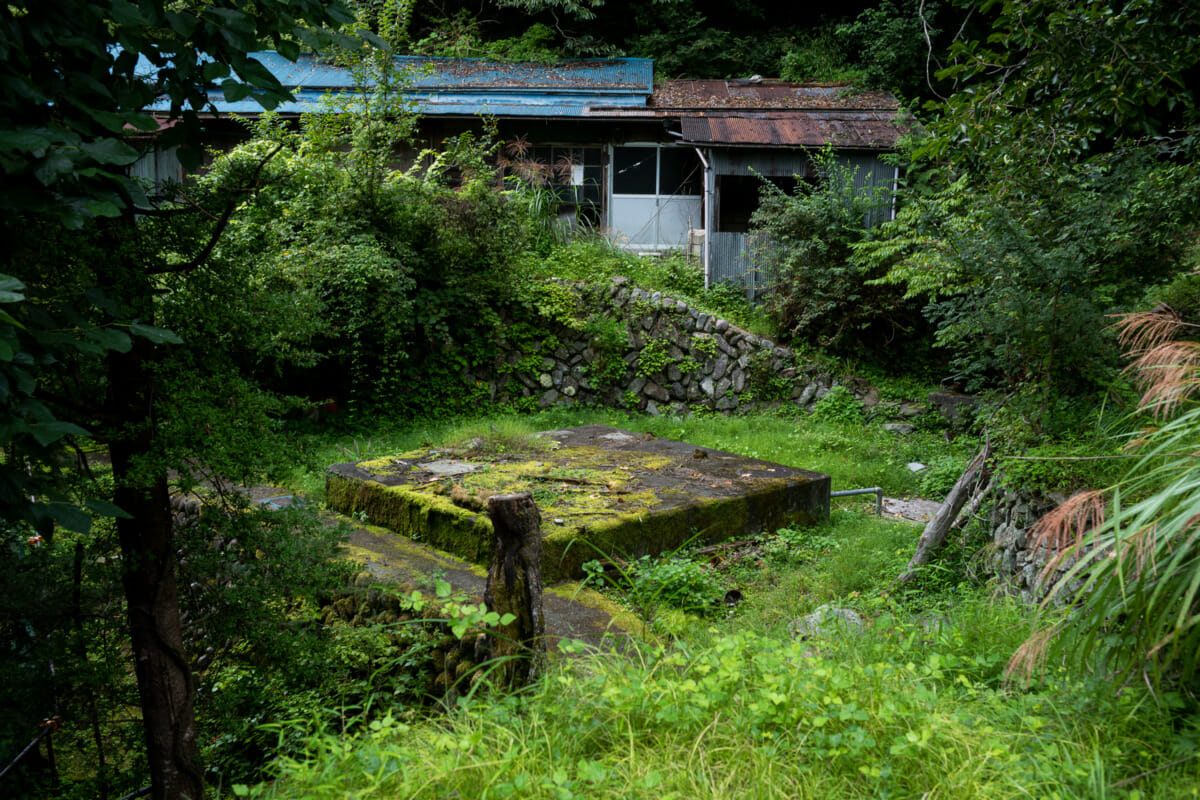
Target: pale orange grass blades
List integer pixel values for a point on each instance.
(1168, 373)
(1063, 528)
(1031, 655)
(1143, 330)
(1166, 368)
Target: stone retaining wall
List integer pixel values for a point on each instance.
(1018, 560)
(678, 360)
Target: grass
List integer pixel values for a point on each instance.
(598, 261)
(737, 709)
(914, 704)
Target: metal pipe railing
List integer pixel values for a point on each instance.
(875, 490)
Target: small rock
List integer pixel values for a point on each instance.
(916, 466)
(807, 394)
(901, 428)
(823, 619)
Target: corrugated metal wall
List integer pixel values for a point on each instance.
(157, 166)
(782, 164)
(744, 259)
(871, 174)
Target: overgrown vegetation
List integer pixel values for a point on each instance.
(393, 276)
(172, 333)
(735, 702)
(819, 296)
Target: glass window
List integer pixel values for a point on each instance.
(679, 172)
(634, 170)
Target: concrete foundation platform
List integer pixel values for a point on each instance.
(602, 493)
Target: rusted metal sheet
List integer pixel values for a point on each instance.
(766, 94)
(871, 130)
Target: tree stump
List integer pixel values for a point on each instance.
(514, 586)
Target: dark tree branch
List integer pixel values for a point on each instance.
(252, 186)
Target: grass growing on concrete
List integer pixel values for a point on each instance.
(854, 454)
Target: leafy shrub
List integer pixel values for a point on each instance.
(705, 345)
(1020, 280)
(728, 299)
(674, 581)
(839, 405)
(939, 477)
(609, 337)
(795, 546)
(819, 57)
(653, 358)
(820, 297)
(1181, 294)
(763, 382)
(404, 276)
(607, 334)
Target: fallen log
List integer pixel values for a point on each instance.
(939, 527)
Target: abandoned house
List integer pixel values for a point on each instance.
(655, 168)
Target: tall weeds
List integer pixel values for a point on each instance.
(1135, 559)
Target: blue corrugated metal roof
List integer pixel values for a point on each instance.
(468, 86)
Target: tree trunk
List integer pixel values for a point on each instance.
(939, 527)
(81, 653)
(514, 586)
(148, 554)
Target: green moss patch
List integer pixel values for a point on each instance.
(601, 492)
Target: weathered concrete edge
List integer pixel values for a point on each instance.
(434, 519)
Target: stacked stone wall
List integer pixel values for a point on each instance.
(678, 360)
(1019, 558)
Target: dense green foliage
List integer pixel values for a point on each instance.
(394, 276)
(247, 577)
(1018, 283)
(1056, 184)
(71, 86)
(737, 707)
(819, 295)
(81, 270)
(876, 45)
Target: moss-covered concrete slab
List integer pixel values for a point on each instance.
(601, 491)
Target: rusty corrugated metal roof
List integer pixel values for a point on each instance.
(767, 94)
(871, 130)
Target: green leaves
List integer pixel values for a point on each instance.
(1057, 81)
(820, 295)
(103, 508)
(110, 151)
(49, 432)
(10, 289)
(155, 335)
